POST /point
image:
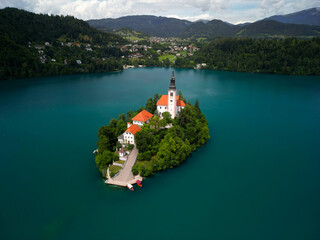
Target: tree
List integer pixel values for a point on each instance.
(166, 119)
(197, 105)
(107, 139)
(103, 160)
(113, 123)
(172, 151)
(150, 105)
(122, 117)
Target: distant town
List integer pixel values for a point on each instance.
(134, 53)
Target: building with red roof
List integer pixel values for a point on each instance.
(142, 118)
(128, 135)
(170, 103)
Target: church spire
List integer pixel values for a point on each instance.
(172, 82)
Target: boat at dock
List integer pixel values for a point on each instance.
(139, 183)
(130, 187)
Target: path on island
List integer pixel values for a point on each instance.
(126, 176)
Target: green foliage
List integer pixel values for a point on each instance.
(143, 168)
(161, 148)
(151, 105)
(103, 160)
(172, 152)
(286, 56)
(130, 147)
(107, 138)
(22, 41)
(166, 119)
(113, 170)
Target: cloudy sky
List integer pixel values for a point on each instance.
(234, 11)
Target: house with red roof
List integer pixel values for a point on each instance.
(142, 118)
(170, 103)
(128, 135)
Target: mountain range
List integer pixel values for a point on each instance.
(310, 17)
(302, 24)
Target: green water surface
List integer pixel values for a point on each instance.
(257, 178)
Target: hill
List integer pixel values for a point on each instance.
(37, 45)
(151, 25)
(273, 27)
(285, 56)
(309, 17)
(260, 29)
(211, 29)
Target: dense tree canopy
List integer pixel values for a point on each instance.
(285, 56)
(161, 148)
(24, 53)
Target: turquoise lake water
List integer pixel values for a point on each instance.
(257, 178)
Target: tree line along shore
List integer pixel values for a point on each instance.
(35, 45)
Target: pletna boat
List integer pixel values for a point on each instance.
(139, 183)
(130, 187)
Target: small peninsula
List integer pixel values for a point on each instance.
(139, 143)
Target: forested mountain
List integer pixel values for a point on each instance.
(260, 29)
(151, 25)
(37, 45)
(269, 28)
(211, 29)
(310, 17)
(274, 27)
(22, 26)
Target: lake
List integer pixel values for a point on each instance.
(258, 177)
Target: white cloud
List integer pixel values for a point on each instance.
(233, 11)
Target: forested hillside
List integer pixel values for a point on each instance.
(38, 45)
(286, 56)
(171, 27)
(309, 16)
(259, 29)
(151, 25)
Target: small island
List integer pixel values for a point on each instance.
(139, 143)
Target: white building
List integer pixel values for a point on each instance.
(170, 103)
(140, 119)
(128, 135)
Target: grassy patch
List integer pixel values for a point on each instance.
(171, 57)
(113, 170)
(200, 39)
(120, 161)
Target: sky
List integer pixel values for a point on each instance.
(233, 11)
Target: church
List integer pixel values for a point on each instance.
(170, 103)
(167, 103)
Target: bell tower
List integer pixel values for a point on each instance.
(172, 97)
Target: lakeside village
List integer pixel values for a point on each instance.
(133, 54)
(160, 136)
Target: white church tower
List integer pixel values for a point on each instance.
(172, 97)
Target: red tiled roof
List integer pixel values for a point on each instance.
(133, 129)
(163, 101)
(180, 103)
(142, 116)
